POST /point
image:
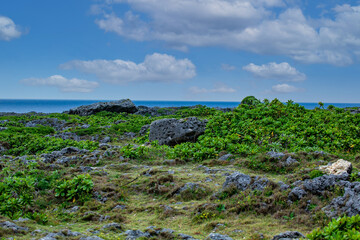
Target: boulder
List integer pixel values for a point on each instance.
(134, 234)
(124, 105)
(339, 167)
(144, 129)
(49, 122)
(217, 236)
(172, 131)
(290, 235)
(13, 226)
(239, 180)
(226, 157)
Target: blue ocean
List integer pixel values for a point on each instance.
(57, 106)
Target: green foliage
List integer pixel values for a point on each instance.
(250, 100)
(315, 173)
(132, 152)
(338, 229)
(77, 189)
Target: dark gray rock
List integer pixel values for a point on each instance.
(134, 234)
(172, 131)
(66, 136)
(13, 226)
(49, 122)
(348, 204)
(69, 150)
(144, 129)
(185, 236)
(190, 186)
(106, 140)
(2, 148)
(319, 184)
(129, 134)
(226, 157)
(48, 238)
(290, 235)
(124, 105)
(296, 193)
(91, 238)
(276, 155)
(259, 183)
(3, 128)
(217, 236)
(239, 180)
(113, 226)
(289, 162)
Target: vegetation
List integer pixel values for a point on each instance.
(136, 184)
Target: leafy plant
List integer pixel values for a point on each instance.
(77, 189)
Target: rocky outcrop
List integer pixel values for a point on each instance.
(48, 122)
(339, 167)
(290, 235)
(124, 105)
(217, 236)
(172, 131)
(242, 182)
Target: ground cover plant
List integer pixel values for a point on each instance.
(250, 175)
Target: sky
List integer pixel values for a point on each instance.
(188, 50)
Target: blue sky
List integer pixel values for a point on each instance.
(204, 50)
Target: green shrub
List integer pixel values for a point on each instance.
(338, 229)
(315, 173)
(77, 189)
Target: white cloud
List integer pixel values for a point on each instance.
(285, 88)
(64, 84)
(217, 89)
(241, 24)
(278, 71)
(155, 68)
(8, 29)
(227, 67)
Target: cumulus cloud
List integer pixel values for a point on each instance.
(285, 88)
(8, 29)
(278, 71)
(155, 68)
(216, 89)
(62, 83)
(227, 67)
(241, 24)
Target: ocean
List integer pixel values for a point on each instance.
(58, 106)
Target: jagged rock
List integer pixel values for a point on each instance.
(106, 140)
(339, 167)
(13, 226)
(348, 204)
(91, 238)
(322, 183)
(49, 122)
(277, 155)
(124, 105)
(134, 234)
(173, 131)
(66, 136)
(69, 150)
(289, 162)
(226, 157)
(113, 226)
(144, 129)
(290, 235)
(185, 236)
(259, 183)
(217, 236)
(239, 180)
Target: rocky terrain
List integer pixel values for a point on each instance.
(119, 171)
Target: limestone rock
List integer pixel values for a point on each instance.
(339, 167)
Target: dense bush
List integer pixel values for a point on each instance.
(77, 189)
(339, 229)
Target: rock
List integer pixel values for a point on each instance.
(48, 238)
(185, 236)
(172, 131)
(13, 226)
(190, 186)
(259, 183)
(124, 105)
(3, 128)
(339, 167)
(73, 209)
(129, 134)
(22, 219)
(69, 150)
(66, 136)
(290, 235)
(2, 148)
(276, 155)
(289, 162)
(296, 193)
(144, 129)
(226, 157)
(134, 234)
(122, 207)
(319, 184)
(91, 238)
(348, 204)
(239, 180)
(49, 122)
(113, 226)
(106, 140)
(217, 236)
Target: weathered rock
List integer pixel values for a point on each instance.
(348, 204)
(290, 235)
(339, 167)
(13, 226)
(190, 186)
(124, 105)
(217, 236)
(113, 227)
(66, 136)
(277, 155)
(239, 180)
(134, 234)
(2, 148)
(226, 157)
(259, 183)
(91, 238)
(322, 183)
(144, 129)
(49, 122)
(3, 128)
(185, 236)
(289, 162)
(172, 131)
(106, 140)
